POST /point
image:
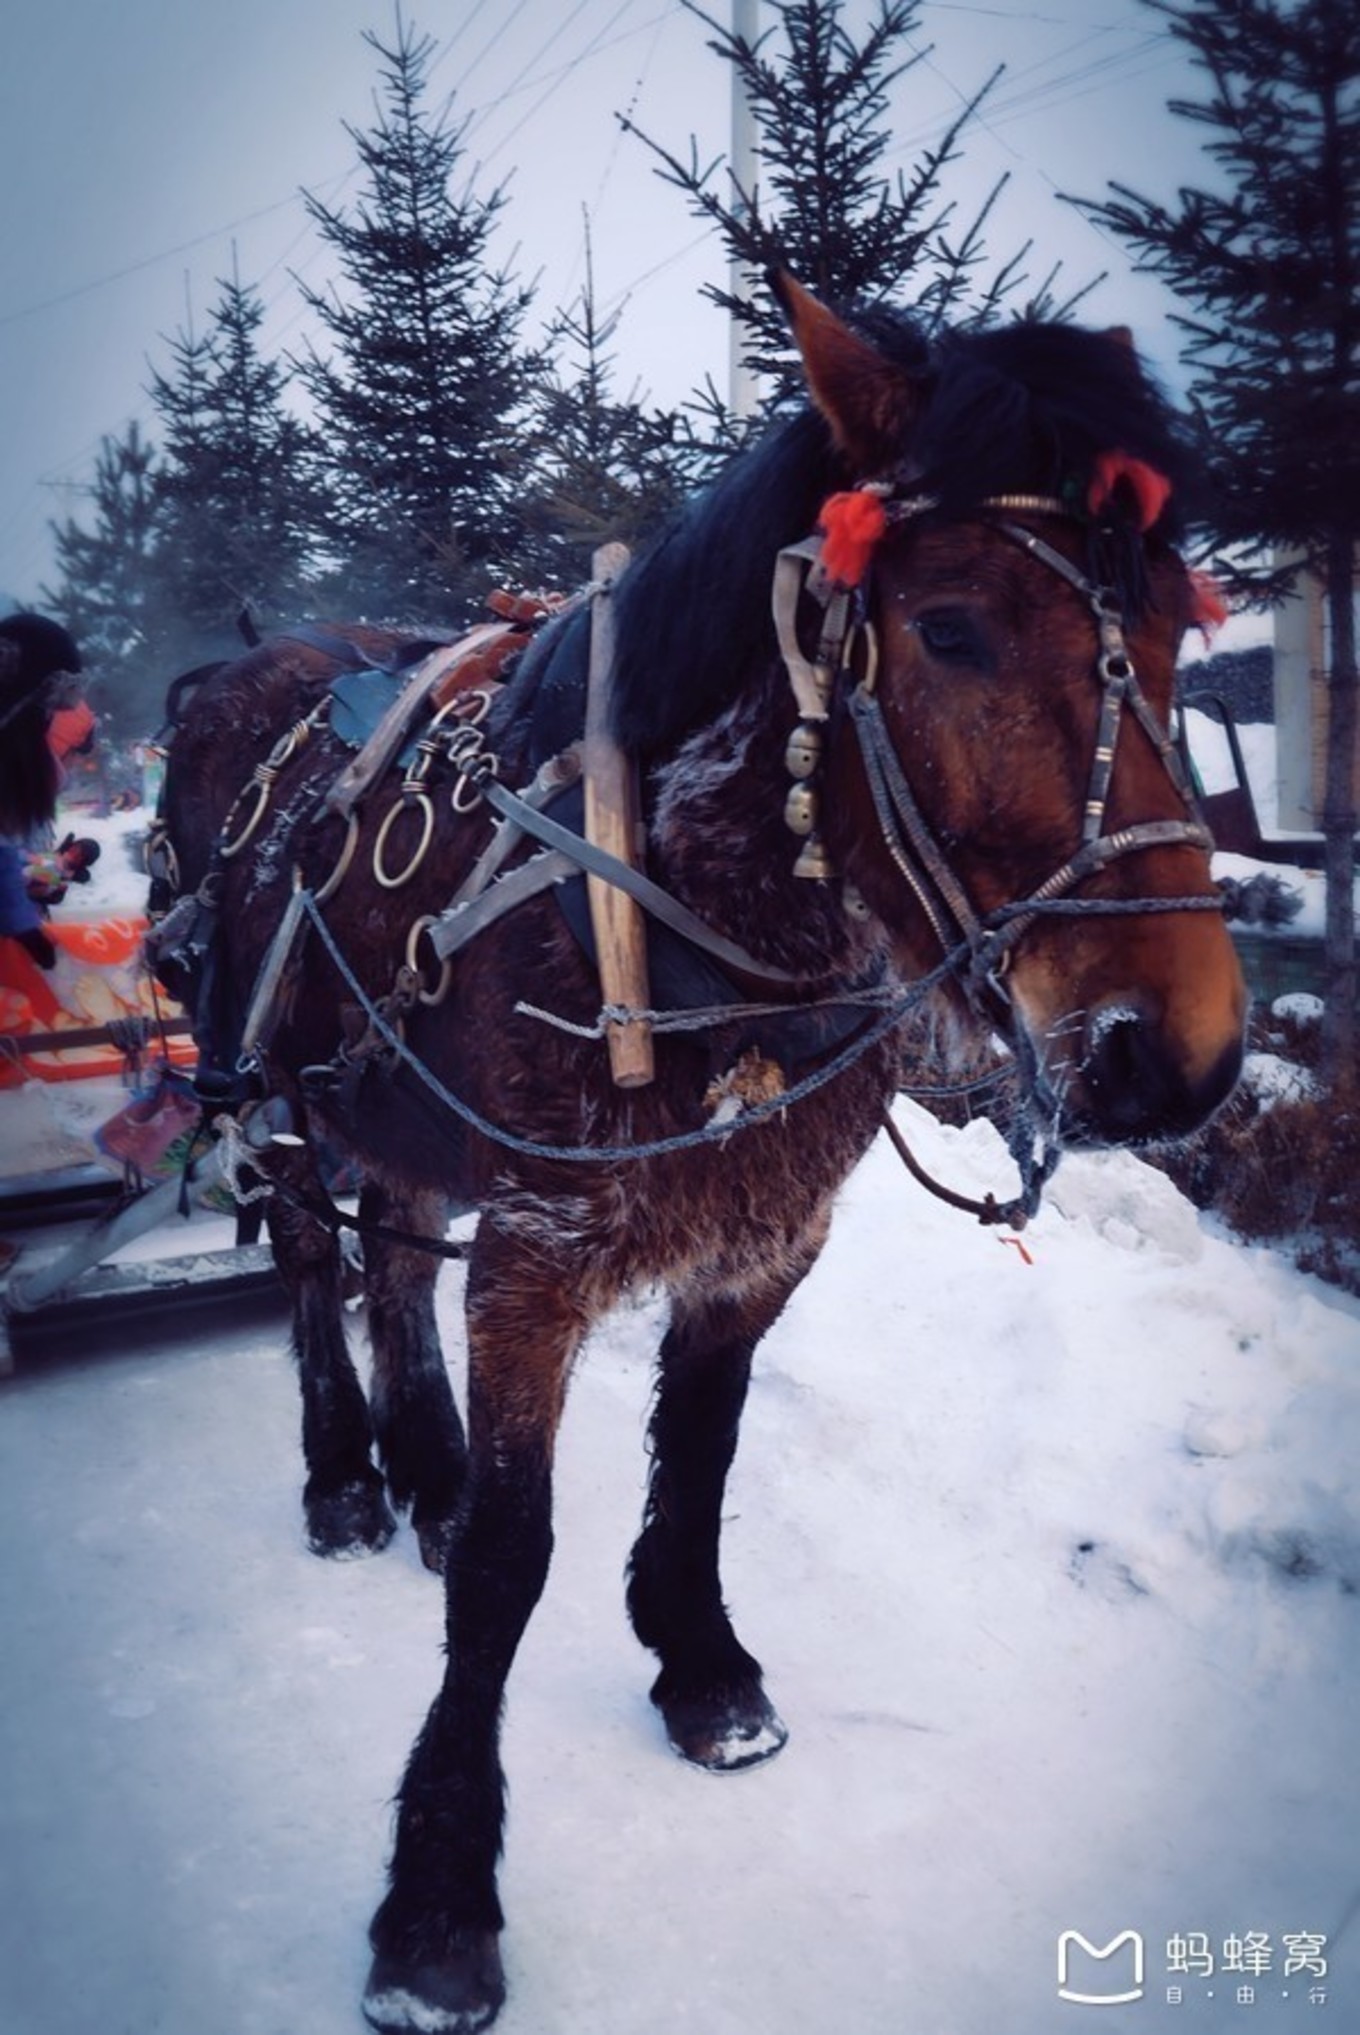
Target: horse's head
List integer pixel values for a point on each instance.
(983, 752)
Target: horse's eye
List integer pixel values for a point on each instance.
(950, 635)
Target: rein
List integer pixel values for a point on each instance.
(1034, 1168)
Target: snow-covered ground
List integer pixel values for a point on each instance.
(1052, 1555)
(1052, 1558)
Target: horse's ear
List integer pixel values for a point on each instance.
(1122, 336)
(868, 401)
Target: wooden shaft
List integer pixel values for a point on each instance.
(613, 822)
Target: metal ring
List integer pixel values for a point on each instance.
(390, 882)
(341, 869)
(463, 742)
(287, 745)
(159, 846)
(441, 988)
(865, 631)
(483, 698)
(261, 786)
(442, 713)
(466, 795)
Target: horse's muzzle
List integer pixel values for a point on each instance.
(1135, 1084)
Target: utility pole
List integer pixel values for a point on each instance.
(742, 390)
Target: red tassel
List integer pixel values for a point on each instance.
(1208, 608)
(1151, 490)
(852, 524)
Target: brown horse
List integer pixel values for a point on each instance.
(961, 709)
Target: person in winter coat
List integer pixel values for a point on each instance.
(36, 655)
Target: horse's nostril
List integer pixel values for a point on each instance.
(1139, 1086)
(1116, 1068)
(1119, 1053)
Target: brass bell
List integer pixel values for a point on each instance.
(852, 901)
(804, 751)
(800, 809)
(813, 860)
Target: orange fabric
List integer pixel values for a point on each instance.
(852, 524)
(68, 728)
(1151, 490)
(1210, 610)
(98, 977)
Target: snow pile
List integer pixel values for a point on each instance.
(117, 884)
(1052, 1558)
(1272, 1079)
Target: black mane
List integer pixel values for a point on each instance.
(1019, 409)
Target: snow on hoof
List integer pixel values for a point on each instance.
(352, 1521)
(464, 1992)
(725, 1738)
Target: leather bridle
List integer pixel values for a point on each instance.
(980, 944)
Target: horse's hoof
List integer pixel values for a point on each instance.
(463, 1992)
(354, 1520)
(726, 1736)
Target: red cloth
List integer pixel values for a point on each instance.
(852, 524)
(70, 728)
(1151, 490)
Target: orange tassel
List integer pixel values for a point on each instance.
(1208, 607)
(1151, 490)
(852, 525)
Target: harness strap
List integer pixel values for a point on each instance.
(810, 678)
(270, 978)
(1114, 668)
(596, 861)
(460, 923)
(1009, 923)
(554, 777)
(924, 867)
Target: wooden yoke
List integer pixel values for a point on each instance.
(613, 821)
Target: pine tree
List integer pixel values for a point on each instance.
(825, 204)
(419, 398)
(1268, 260)
(603, 470)
(235, 499)
(108, 593)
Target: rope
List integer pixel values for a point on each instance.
(707, 1017)
(1108, 907)
(755, 1112)
(234, 1154)
(596, 1155)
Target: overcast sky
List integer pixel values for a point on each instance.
(141, 143)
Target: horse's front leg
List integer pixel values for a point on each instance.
(343, 1497)
(420, 1436)
(436, 1965)
(710, 1690)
